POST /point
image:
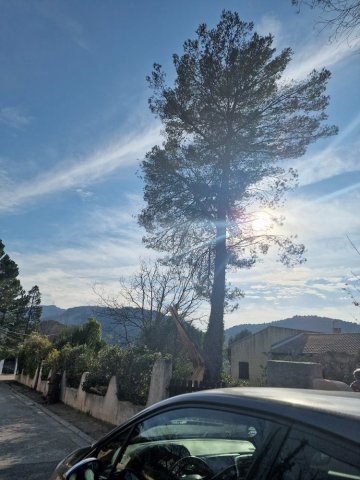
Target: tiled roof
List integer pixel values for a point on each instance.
(307, 343)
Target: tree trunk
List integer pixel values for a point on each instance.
(214, 337)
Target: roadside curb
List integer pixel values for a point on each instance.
(30, 403)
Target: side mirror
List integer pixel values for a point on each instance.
(85, 469)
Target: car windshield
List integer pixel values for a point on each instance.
(186, 440)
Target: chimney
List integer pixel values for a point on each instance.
(336, 329)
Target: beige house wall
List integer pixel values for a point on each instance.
(255, 349)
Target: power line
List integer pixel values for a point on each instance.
(14, 332)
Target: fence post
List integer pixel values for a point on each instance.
(160, 381)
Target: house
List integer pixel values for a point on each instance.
(338, 353)
(248, 355)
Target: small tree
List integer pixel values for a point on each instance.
(33, 310)
(32, 352)
(228, 120)
(19, 312)
(13, 303)
(141, 306)
(89, 335)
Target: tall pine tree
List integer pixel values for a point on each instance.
(228, 121)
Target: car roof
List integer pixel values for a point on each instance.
(336, 412)
(332, 412)
(319, 400)
(336, 402)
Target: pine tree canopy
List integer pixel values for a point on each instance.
(230, 120)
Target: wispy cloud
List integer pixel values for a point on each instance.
(108, 248)
(340, 156)
(270, 24)
(62, 20)
(315, 55)
(71, 175)
(274, 292)
(14, 117)
(84, 194)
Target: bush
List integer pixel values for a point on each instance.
(132, 367)
(133, 377)
(51, 363)
(102, 368)
(183, 369)
(75, 361)
(231, 382)
(32, 353)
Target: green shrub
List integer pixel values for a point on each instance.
(231, 382)
(133, 377)
(132, 367)
(32, 352)
(75, 361)
(183, 369)
(51, 363)
(102, 368)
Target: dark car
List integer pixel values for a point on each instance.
(229, 434)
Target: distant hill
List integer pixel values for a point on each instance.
(51, 328)
(79, 315)
(51, 312)
(300, 322)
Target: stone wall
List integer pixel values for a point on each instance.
(288, 374)
(26, 379)
(107, 408)
(282, 373)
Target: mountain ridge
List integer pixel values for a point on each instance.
(315, 323)
(312, 323)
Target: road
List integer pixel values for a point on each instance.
(32, 440)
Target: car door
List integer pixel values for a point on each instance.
(197, 443)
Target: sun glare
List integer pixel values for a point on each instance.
(261, 221)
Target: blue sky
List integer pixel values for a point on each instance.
(74, 125)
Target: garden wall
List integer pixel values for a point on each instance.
(287, 374)
(107, 408)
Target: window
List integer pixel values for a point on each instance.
(244, 370)
(196, 443)
(108, 453)
(309, 457)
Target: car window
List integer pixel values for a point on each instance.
(195, 443)
(308, 456)
(107, 453)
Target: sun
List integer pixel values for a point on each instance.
(261, 221)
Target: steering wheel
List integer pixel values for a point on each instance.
(191, 465)
(157, 459)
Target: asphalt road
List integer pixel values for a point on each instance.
(32, 439)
